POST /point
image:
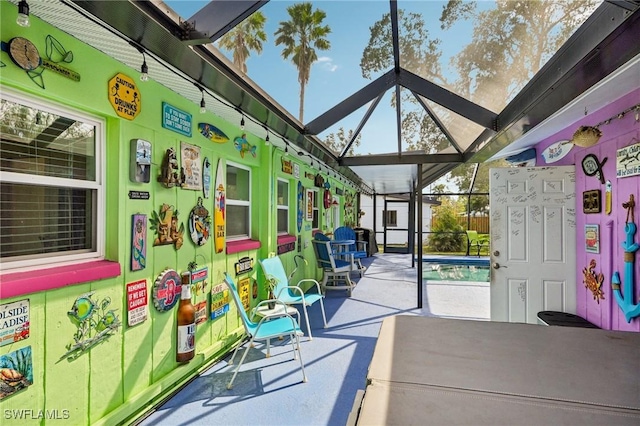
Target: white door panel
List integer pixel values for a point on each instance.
(532, 242)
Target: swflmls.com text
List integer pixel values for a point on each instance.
(29, 414)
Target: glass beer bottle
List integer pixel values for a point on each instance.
(186, 342)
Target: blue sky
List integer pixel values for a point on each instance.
(337, 73)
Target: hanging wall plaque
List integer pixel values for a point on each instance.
(191, 165)
(166, 290)
(139, 242)
(591, 201)
(124, 96)
(199, 224)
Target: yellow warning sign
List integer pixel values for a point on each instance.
(124, 96)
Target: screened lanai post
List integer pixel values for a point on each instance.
(412, 225)
(473, 182)
(419, 191)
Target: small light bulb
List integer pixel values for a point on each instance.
(242, 123)
(144, 71)
(203, 106)
(266, 140)
(23, 14)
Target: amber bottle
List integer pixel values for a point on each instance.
(186, 341)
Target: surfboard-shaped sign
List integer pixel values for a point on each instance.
(212, 133)
(206, 177)
(556, 151)
(219, 210)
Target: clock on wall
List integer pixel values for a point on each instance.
(24, 53)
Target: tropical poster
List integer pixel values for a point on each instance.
(192, 166)
(16, 371)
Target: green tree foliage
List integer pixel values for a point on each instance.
(447, 235)
(462, 176)
(337, 141)
(245, 37)
(301, 36)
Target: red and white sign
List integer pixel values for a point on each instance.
(137, 299)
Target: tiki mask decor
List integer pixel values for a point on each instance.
(165, 224)
(591, 201)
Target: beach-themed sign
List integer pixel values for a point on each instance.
(244, 265)
(206, 177)
(199, 279)
(137, 300)
(628, 161)
(244, 146)
(219, 211)
(176, 120)
(16, 373)
(212, 133)
(139, 242)
(244, 291)
(296, 171)
(592, 238)
(309, 204)
(219, 300)
(124, 96)
(300, 214)
(556, 151)
(14, 322)
(201, 312)
(166, 290)
(287, 166)
(199, 224)
(191, 164)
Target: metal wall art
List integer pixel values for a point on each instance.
(166, 290)
(169, 176)
(139, 242)
(137, 300)
(593, 281)
(591, 201)
(592, 238)
(244, 146)
(206, 177)
(124, 96)
(212, 133)
(14, 322)
(591, 166)
(219, 300)
(625, 302)
(199, 224)
(628, 160)
(165, 223)
(95, 322)
(16, 372)
(175, 119)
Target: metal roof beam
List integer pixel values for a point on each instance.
(447, 99)
(352, 103)
(409, 157)
(217, 18)
(364, 120)
(438, 123)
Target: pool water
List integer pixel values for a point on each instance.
(456, 273)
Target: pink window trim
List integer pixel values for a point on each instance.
(286, 239)
(21, 283)
(242, 245)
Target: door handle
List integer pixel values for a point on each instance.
(496, 265)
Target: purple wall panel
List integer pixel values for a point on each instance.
(618, 134)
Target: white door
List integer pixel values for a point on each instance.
(533, 237)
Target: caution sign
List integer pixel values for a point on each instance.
(124, 96)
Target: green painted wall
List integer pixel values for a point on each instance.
(127, 373)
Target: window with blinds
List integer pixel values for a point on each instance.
(50, 188)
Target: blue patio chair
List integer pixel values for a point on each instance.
(355, 251)
(269, 327)
(334, 270)
(292, 294)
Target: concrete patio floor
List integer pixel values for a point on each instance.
(270, 391)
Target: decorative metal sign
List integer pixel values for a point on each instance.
(219, 300)
(287, 166)
(166, 226)
(124, 96)
(591, 166)
(166, 290)
(138, 195)
(140, 170)
(17, 373)
(201, 312)
(286, 247)
(14, 322)
(191, 165)
(244, 290)
(592, 238)
(244, 265)
(137, 300)
(199, 224)
(628, 161)
(591, 201)
(296, 171)
(176, 120)
(199, 279)
(139, 242)
(593, 281)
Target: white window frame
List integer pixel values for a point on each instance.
(61, 259)
(280, 207)
(233, 202)
(316, 209)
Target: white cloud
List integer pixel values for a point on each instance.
(327, 63)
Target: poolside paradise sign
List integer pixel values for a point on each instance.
(14, 322)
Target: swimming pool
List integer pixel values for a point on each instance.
(456, 268)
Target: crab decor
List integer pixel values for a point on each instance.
(94, 322)
(165, 224)
(169, 170)
(593, 281)
(199, 224)
(626, 303)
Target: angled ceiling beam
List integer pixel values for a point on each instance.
(606, 41)
(352, 103)
(394, 35)
(364, 120)
(448, 99)
(407, 157)
(438, 123)
(217, 18)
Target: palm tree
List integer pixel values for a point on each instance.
(301, 36)
(245, 37)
